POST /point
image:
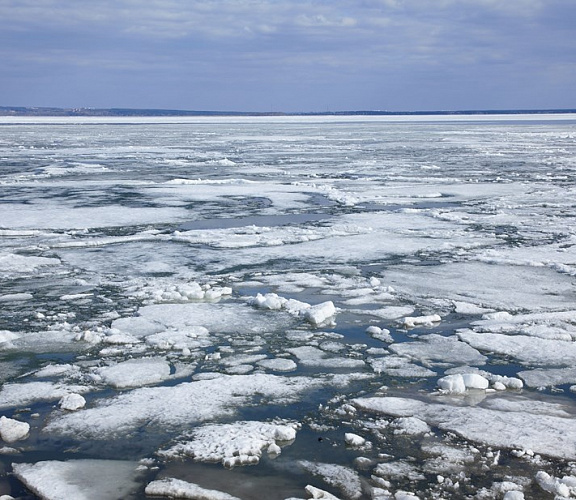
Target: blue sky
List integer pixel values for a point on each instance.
(271, 55)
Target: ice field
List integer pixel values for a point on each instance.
(288, 308)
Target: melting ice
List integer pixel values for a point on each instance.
(288, 308)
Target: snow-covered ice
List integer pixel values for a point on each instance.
(400, 287)
(240, 443)
(176, 488)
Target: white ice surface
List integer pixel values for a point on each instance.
(440, 349)
(529, 350)
(14, 263)
(343, 478)
(12, 430)
(134, 372)
(54, 215)
(72, 402)
(543, 433)
(495, 286)
(278, 364)
(176, 488)
(185, 403)
(399, 366)
(79, 479)
(239, 443)
(312, 356)
(22, 394)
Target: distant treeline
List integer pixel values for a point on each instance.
(41, 111)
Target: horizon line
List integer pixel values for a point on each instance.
(118, 111)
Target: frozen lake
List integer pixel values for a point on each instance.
(288, 308)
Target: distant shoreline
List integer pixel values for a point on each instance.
(129, 112)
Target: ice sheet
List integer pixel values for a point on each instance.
(128, 253)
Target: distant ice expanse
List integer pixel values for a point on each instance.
(288, 307)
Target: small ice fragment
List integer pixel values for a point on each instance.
(16, 297)
(7, 336)
(72, 402)
(475, 381)
(274, 449)
(318, 493)
(285, 433)
(413, 321)
(380, 333)
(459, 383)
(561, 487)
(452, 383)
(12, 430)
(278, 364)
(176, 488)
(514, 495)
(320, 313)
(354, 440)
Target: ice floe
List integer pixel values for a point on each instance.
(544, 433)
(239, 443)
(12, 430)
(84, 479)
(187, 402)
(176, 488)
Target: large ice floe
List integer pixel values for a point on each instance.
(288, 308)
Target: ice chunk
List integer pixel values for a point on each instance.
(72, 402)
(7, 336)
(12, 430)
(459, 383)
(380, 333)
(312, 356)
(13, 263)
(513, 495)
(278, 364)
(137, 326)
(240, 443)
(439, 348)
(14, 395)
(317, 493)
(544, 433)
(532, 350)
(565, 487)
(546, 377)
(410, 425)
(79, 479)
(16, 297)
(354, 440)
(134, 372)
(182, 404)
(176, 488)
(337, 476)
(399, 366)
(316, 315)
(468, 308)
(320, 313)
(413, 321)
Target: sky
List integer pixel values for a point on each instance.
(292, 56)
